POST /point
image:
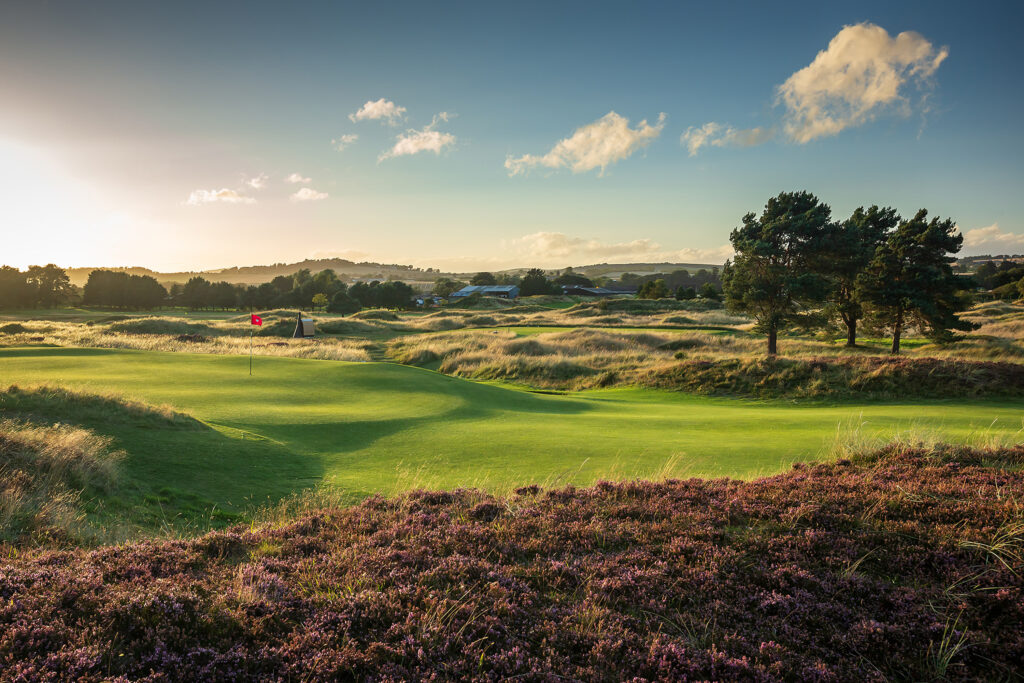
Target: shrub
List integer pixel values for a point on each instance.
(900, 565)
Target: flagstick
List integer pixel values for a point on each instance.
(250, 348)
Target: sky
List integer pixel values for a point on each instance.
(467, 136)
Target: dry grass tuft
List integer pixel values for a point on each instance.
(44, 472)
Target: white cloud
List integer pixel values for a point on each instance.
(992, 237)
(308, 194)
(559, 245)
(344, 141)
(259, 182)
(861, 73)
(713, 133)
(384, 110)
(297, 178)
(714, 255)
(557, 249)
(595, 145)
(427, 139)
(225, 195)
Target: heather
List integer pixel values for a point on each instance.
(902, 564)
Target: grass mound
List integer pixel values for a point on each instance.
(44, 471)
(639, 306)
(375, 314)
(168, 326)
(481, 303)
(55, 404)
(838, 377)
(275, 313)
(346, 327)
(904, 565)
(13, 328)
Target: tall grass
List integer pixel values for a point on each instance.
(45, 470)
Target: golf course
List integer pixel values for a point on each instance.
(366, 428)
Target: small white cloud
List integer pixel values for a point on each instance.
(259, 182)
(992, 237)
(556, 249)
(427, 139)
(384, 110)
(224, 195)
(297, 178)
(308, 194)
(595, 145)
(714, 255)
(344, 141)
(718, 135)
(861, 73)
(559, 245)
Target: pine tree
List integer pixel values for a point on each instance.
(910, 279)
(771, 277)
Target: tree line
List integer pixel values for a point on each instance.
(794, 265)
(38, 287)
(1006, 280)
(679, 283)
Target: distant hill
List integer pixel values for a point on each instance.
(254, 275)
(972, 262)
(617, 269)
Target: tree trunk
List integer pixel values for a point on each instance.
(896, 332)
(773, 344)
(851, 332)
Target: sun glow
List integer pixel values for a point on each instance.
(45, 214)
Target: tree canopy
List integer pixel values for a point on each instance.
(911, 279)
(773, 276)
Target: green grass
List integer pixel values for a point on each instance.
(377, 427)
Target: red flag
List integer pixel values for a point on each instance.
(256, 320)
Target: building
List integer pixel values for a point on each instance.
(500, 291)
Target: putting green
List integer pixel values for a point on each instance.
(377, 427)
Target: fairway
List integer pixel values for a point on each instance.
(378, 427)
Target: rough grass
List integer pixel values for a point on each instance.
(887, 378)
(169, 334)
(48, 402)
(905, 564)
(701, 362)
(45, 470)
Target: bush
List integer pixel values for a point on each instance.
(13, 328)
(901, 565)
(342, 302)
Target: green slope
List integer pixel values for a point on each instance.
(370, 427)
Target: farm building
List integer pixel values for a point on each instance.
(501, 291)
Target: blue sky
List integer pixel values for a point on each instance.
(137, 133)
